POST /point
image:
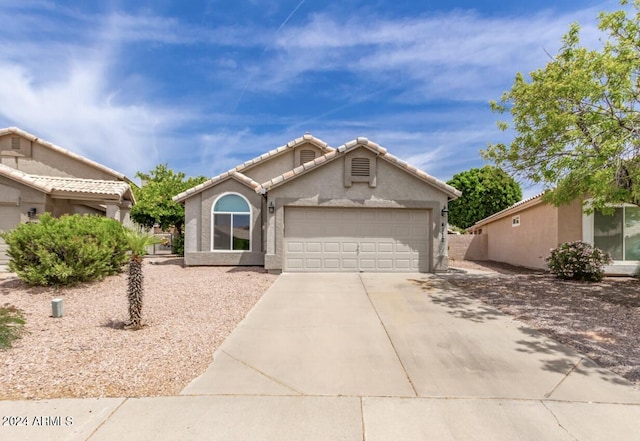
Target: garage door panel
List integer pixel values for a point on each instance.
(367, 230)
(314, 247)
(294, 264)
(331, 264)
(331, 247)
(368, 216)
(350, 264)
(295, 247)
(313, 263)
(385, 247)
(335, 239)
(329, 229)
(402, 216)
(367, 247)
(367, 264)
(384, 216)
(402, 232)
(349, 247)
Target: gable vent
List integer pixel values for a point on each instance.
(15, 143)
(360, 167)
(307, 156)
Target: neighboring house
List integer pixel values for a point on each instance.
(525, 233)
(306, 206)
(37, 177)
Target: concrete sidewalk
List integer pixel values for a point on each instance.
(365, 356)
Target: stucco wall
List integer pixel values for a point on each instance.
(324, 186)
(199, 228)
(278, 165)
(527, 244)
(36, 159)
(59, 207)
(17, 199)
(570, 222)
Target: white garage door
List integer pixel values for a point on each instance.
(356, 239)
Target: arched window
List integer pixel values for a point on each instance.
(231, 223)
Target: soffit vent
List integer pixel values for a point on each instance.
(360, 167)
(15, 142)
(307, 156)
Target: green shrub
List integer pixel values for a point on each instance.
(66, 250)
(11, 325)
(178, 244)
(578, 261)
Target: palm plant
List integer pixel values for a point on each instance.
(137, 243)
(11, 325)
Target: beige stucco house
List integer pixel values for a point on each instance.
(37, 176)
(525, 233)
(306, 206)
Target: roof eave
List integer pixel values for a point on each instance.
(87, 161)
(515, 208)
(231, 174)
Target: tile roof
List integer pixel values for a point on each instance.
(29, 136)
(62, 185)
(351, 145)
(231, 174)
(236, 171)
(329, 156)
(525, 203)
(306, 138)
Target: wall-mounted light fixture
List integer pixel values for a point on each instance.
(272, 208)
(32, 213)
(444, 211)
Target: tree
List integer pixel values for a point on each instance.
(137, 244)
(485, 191)
(577, 121)
(153, 200)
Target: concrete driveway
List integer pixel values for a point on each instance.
(380, 357)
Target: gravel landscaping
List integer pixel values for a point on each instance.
(188, 312)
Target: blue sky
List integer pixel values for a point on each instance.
(206, 85)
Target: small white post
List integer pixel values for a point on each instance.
(57, 308)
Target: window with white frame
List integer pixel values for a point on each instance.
(515, 221)
(619, 233)
(231, 223)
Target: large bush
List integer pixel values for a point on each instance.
(66, 250)
(578, 261)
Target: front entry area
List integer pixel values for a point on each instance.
(356, 239)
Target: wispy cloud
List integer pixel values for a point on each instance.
(464, 51)
(131, 88)
(64, 90)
